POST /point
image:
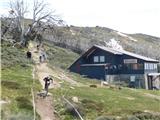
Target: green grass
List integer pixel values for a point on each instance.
(16, 84)
(108, 102)
(16, 88)
(60, 57)
(11, 56)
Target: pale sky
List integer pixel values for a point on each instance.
(128, 16)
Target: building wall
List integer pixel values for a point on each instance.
(96, 72)
(109, 58)
(125, 79)
(125, 70)
(76, 67)
(115, 71)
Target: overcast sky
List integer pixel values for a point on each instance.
(128, 16)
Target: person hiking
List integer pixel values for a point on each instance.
(40, 58)
(47, 81)
(29, 54)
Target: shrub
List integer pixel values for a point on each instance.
(11, 56)
(94, 86)
(105, 118)
(133, 118)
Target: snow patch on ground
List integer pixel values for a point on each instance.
(72, 32)
(129, 37)
(114, 44)
(3, 102)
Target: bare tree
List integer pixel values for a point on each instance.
(42, 18)
(18, 11)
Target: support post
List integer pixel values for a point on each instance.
(146, 81)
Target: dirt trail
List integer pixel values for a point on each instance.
(44, 106)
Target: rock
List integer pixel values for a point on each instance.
(72, 88)
(75, 99)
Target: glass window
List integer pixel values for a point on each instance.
(134, 66)
(151, 66)
(146, 66)
(140, 66)
(155, 66)
(102, 59)
(95, 59)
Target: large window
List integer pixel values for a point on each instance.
(102, 59)
(98, 59)
(134, 66)
(95, 59)
(150, 66)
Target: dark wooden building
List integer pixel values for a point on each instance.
(117, 66)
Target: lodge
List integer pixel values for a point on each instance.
(118, 66)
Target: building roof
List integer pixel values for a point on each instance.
(116, 52)
(122, 52)
(109, 49)
(94, 64)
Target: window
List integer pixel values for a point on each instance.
(135, 66)
(155, 66)
(150, 66)
(102, 59)
(95, 59)
(140, 66)
(132, 78)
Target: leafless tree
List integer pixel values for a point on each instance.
(42, 18)
(18, 11)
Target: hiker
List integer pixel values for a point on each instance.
(37, 47)
(44, 56)
(29, 54)
(47, 81)
(40, 58)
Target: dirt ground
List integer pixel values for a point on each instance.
(44, 106)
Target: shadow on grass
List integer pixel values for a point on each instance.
(24, 103)
(10, 84)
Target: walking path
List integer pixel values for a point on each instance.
(44, 106)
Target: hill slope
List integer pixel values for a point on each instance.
(92, 102)
(81, 38)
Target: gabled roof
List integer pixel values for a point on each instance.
(109, 50)
(122, 52)
(116, 52)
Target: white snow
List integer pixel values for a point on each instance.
(72, 32)
(114, 44)
(2, 102)
(124, 35)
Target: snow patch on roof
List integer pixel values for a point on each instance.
(114, 44)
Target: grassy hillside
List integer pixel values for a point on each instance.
(58, 56)
(106, 102)
(81, 38)
(100, 101)
(16, 84)
(94, 102)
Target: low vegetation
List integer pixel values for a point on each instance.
(16, 84)
(99, 101)
(94, 102)
(12, 56)
(58, 56)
